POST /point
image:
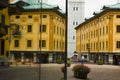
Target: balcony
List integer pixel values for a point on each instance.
(16, 33)
(3, 4)
(3, 30)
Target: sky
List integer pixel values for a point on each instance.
(90, 5)
(95, 5)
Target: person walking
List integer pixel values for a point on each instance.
(82, 59)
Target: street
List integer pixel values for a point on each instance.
(53, 72)
(31, 72)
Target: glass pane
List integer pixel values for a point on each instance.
(37, 52)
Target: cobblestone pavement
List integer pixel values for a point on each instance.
(53, 72)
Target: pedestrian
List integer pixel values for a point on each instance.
(82, 59)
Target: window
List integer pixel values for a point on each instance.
(103, 31)
(118, 16)
(17, 17)
(44, 16)
(54, 44)
(43, 43)
(16, 43)
(30, 16)
(103, 45)
(29, 43)
(91, 34)
(54, 29)
(73, 23)
(100, 45)
(106, 44)
(3, 19)
(57, 30)
(94, 46)
(97, 32)
(29, 28)
(57, 44)
(73, 37)
(118, 44)
(73, 8)
(90, 46)
(100, 31)
(76, 23)
(76, 8)
(43, 28)
(63, 32)
(60, 31)
(118, 28)
(106, 29)
(94, 33)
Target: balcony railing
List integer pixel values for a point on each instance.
(16, 33)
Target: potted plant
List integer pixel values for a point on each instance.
(59, 61)
(99, 62)
(81, 71)
(68, 62)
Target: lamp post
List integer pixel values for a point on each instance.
(65, 74)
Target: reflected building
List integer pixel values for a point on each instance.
(99, 35)
(4, 33)
(40, 32)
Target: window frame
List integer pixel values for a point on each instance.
(29, 43)
(16, 43)
(118, 28)
(29, 28)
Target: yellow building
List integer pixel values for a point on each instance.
(40, 32)
(98, 37)
(4, 32)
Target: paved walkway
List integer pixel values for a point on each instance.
(98, 72)
(53, 71)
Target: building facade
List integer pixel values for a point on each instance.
(75, 17)
(4, 33)
(99, 35)
(40, 33)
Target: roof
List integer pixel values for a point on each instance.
(115, 6)
(97, 14)
(39, 5)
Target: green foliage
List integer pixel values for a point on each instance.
(100, 62)
(68, 62)
(59, 61)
